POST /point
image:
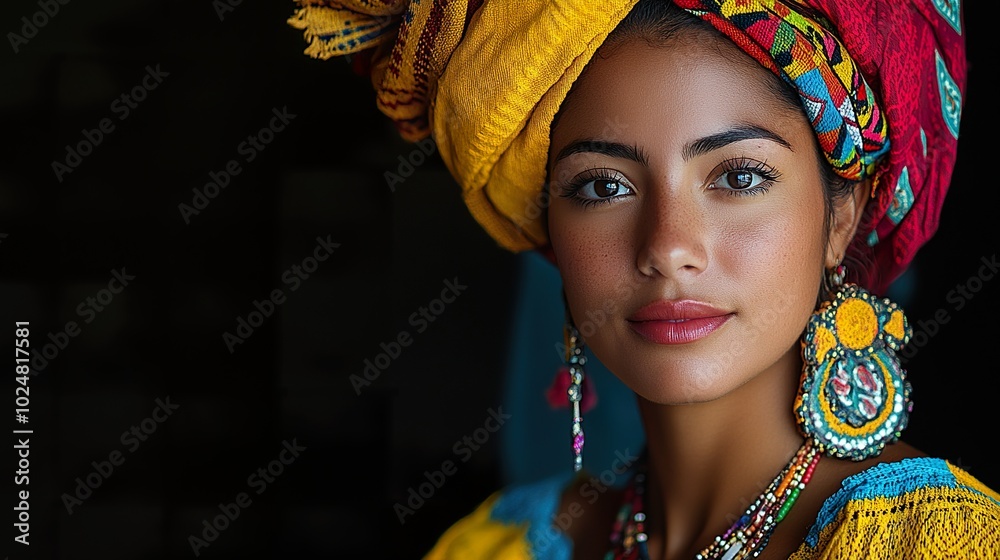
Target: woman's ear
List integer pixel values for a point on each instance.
(847, 214)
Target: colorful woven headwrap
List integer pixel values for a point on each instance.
(882, 82)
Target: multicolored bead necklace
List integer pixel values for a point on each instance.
(748, 535)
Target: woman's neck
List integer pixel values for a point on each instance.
(709, 461)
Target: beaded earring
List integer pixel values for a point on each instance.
(575, 360)
(853, 396)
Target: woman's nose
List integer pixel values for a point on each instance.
(672, 237)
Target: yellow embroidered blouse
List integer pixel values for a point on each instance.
(914, 508)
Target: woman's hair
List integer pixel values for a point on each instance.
(658, 22)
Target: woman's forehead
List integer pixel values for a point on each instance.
(683, 89)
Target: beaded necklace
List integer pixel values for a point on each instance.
(747, 537)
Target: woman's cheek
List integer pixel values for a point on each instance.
(775, 261)
(594, 266)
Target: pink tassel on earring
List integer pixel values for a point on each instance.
(558, 396)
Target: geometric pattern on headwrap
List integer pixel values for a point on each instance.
(912, 52)
(838, 102)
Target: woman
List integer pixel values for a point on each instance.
(774, 166)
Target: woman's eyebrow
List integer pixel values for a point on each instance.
(697, 147)
(612, 149)
(742, 132)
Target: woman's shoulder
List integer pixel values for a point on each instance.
(911, 507)
(513, 523)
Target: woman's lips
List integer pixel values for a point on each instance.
(677, 321)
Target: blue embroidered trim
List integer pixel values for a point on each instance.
(951, 97)
(535, 504)
(882, 481)
(949, 10)
(902, 198)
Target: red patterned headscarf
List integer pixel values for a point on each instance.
(882, 82)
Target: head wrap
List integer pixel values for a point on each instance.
(881, 81)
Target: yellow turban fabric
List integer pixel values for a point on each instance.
(485, 80)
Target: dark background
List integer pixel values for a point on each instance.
(322, 176)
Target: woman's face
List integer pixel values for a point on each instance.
(686, 217)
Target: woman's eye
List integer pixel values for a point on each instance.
(740, 179)
(603, 188)
(597, 186)
(743, 176)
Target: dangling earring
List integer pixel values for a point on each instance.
(571, 387)
(853, 396)
(575, 360)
